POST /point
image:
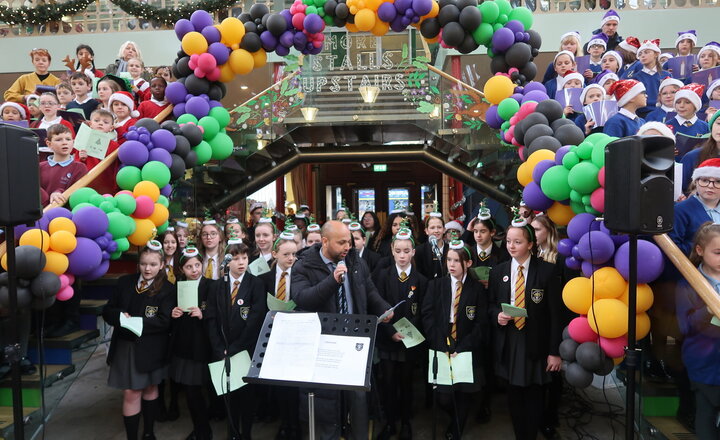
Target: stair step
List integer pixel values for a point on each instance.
(6, 419)
(92, 306)
(53, 373)
(670, 428)
(71, 340)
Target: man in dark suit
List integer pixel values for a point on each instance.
(320, 282)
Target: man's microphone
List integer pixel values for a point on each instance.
(342, 275)
(434, 244)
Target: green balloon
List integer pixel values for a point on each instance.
(156, 172)
(163, 201)
(554, 183)
(222, 146)
(523, 15)
(210, 126)
(586, 200)
(96, 199)
(497, 26)
(163, 227)
(128, 177)
(107, 207)
(489, 11)
(570, 160)
(307, 2)
(575, 196)
(328, 21)
(311, 10)
(187, 117)
(504, 6)
(584, 150)
(507, 108)
(82, 195)
(126, 203)
(490, 52)
(591, 210)
(117, 225)
(81, 205)
(598, 155)
(123, 244)
(583, 178)
(203, 151)
(131, 225)
(319, 3)
(502, 19)
(578, 208)
(115, 255)
(221, 114)
(483, 34)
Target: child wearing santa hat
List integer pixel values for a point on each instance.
(687, 102)
(685, 43)
(606, 79)
(711, 94)
(611, 61)
(709, 56)
(564, 62)
(666, 100)
(628, 49)
(571, 80)
(14, 112)
(631, 96)
(649, 72)
(122, 106)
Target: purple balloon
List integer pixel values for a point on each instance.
(44, 222)
(163, 139)
(269, 41)
(402, 5)
(144, 138)
(99, 271)
(387, 12)
(313, 23)
(540, 169)
(102, 242)
(131, 135)
(575, 252)
(112, 246)
(534, 85)
(282, 50)
(519, 37)
(405, 21)
(300, 40)
(619, 239)
(179, 110)
(220, 52)
(287, 15)
(515, 26)
(650, 261)
(588, 268)
(286, 39)
(572, 263)
(182, 27)
(166, 190)
(214, 104)
(133, 153)
(580, 225)
(517, 97)
(492, 118)
(535, 95)
(535, 199)
(316, 50)
(502, 39)
(560, 153)
(86, 257)
(211, 34)
(21, 229)
(397, 24)
(175, 92)
(565, 247)
(421, 7)
(91, 222)
(596, 247)
(161, 155)
(201, 19)
(58, 212)
(197, 107)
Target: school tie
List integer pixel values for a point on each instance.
(210, 269)
(171, 274)
(688, 124)
(143, 286)
(456, 306)
(403, 277)
(340, 300)
(281, 287)
(520, 296)
(233, 294)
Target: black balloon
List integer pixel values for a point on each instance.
(566, 332)
(192, 133)
(191, 159)
(550, 108)
(148, 123)
(329, 7)
(258, 10)
(590, 356)
(529, 71)
(569, 134)
(543, 143)
(444, 3)
(182, 67)
(251, 42)
(170, 126)
(177, 169)
(44, 285)
(23, 282)
(216, 92)
(245, 17)
(535, 39)
(342, 11)
(197, 86)
(560, 122)
(182, 146)
(462, 4)
(534, 52)
(276, 24)
(577, 376)
(339, 22)
(29, 261)
(470, 18)
(567, 350)
(24, 297)
(607, 367)
(430, 28)
(498, 64)
(518, 55)
(250, 27)
(448, 14)
(535, 132)
(468, 45)
(453, 34)
(3, 279)
(42, 303)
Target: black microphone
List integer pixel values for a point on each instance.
(342, 275)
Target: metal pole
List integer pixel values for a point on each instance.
(311, 415)
(632, 354)
(12, 351)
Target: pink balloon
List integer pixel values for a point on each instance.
(597, 200)
(145, 207)
(207, 62)
(64, 281)
(601, 177)
(125, 192)
(297, 21)
(71, 278)
(516, 143)
(193, 61)
(513, 120)
(65, 293)
(214, 75)
(580, 330)
(615, 347)
(521, 153)
(199, 72)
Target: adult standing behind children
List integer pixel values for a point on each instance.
(25, 85)
(609, 26)
(128, 50)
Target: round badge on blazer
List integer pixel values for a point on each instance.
(506, 278)
(240, 302)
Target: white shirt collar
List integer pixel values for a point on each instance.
(649, 71)
(160, 103)
(233, 279)
(88, 98)
(682, 120)
(407, 271)
(44, 123)
(487, 250)
(628, 114)
(141, 279)
(121, 123)
(667, 109)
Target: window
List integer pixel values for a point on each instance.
(398, 198)
(366, 201)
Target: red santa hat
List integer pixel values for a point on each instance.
(657, 126)
(127, 99)
(693, 93)
(631, 44)
(21, 108)
(709, 168)
(570, 74)
(625, 90)
(653, 45)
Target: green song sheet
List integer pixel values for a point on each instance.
(482, 273)
(187, 294)
(451, 370)
(239, 367)
(515, 312)
(94, 142)
(411, 335)
(276, 304)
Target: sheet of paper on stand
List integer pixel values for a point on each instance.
(342, 360)
(292, 348)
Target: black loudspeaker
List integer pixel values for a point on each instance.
(639, 173)
(19, 176)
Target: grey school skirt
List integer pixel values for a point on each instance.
(123, 372)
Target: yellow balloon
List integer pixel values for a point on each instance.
(241, 61)
(608, 283)
(147, 188)
(160, 215)
(645, 297)
(63, 242)
(577, 295)
(608, 318)
(524, 174)
(365, 19)
(232, 30)
(3, 261)
(56, 262)
(61, 224)
(560, 214)
(539, 155)
(259, 58)
(497, 88)
(353, 10)
(144, 230)
(642, 325)
(351, 27)
(226, 73)
(373, 5)
(381, 28)
(193, 43)
(36, 237)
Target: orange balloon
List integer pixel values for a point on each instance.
(147, 188)
(241, 61)
(144, 231)
(524, 174)
(56, 263)
(160, 215)
(61, 224)
(434, 11)
(642, 325)
(351, 27)
(645, 297)
(260, 58)
(3, 261)
(380, 28)
(226, 73)
(608, 283)
(63, 242)
(608, 318)
(36, 237)
(365, 19)
(232, 30)
(577, 295)
(560, 214)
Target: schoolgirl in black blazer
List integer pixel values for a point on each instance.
(526, 349)
(137, 363)
(482, 247)
(428, 262)
(465, 335)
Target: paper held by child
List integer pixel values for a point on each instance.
(239, 367)
(451, 370)
(571, 98)
(706, 77)
(482, 273)
(512, 311)
(187, 292)
(259, 267)
(133, 323)
(599, 112)
(411, 335)
(583, 64)
(681, 67)
(94, 142)
(274, 303)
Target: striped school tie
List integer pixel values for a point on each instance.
(403, 277)
(233, 294)
(520, 296)
(143, 286)
(456, 306)
(210, 269)
(171, 274)
(281, 287)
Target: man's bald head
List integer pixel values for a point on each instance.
(335, 240)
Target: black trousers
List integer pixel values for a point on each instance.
(241, 412)
(457, 405)
(707, 404)
(553, 395)
(526, 408)
(396, 390)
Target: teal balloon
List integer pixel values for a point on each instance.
(584, 150)
(221, 114)
(82, 195)
(107, 207)
(126, 203)
(570, 160)
(504, 6)
(523, 15)
(156, 172)
(187, 117)
(490, 52)
(210, 126)
(163, 201)
(483, 34)
(583, 178)
(203, 151)
(128, 177)
(497, 26)
(328, 21)
(591, 210)
(311, 10)
(81, 205)
(599, 141)
(222, 146)
(116, 255)
(554, 183)
(507, 108)
(489, 11)
(96, 199)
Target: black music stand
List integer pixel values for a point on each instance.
(331, 324)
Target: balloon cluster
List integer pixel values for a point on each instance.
(582, 360)
(36, 288)
(510, 105)
(403, 13)
(304, 32)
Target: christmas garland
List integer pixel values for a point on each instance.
(47, 13)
